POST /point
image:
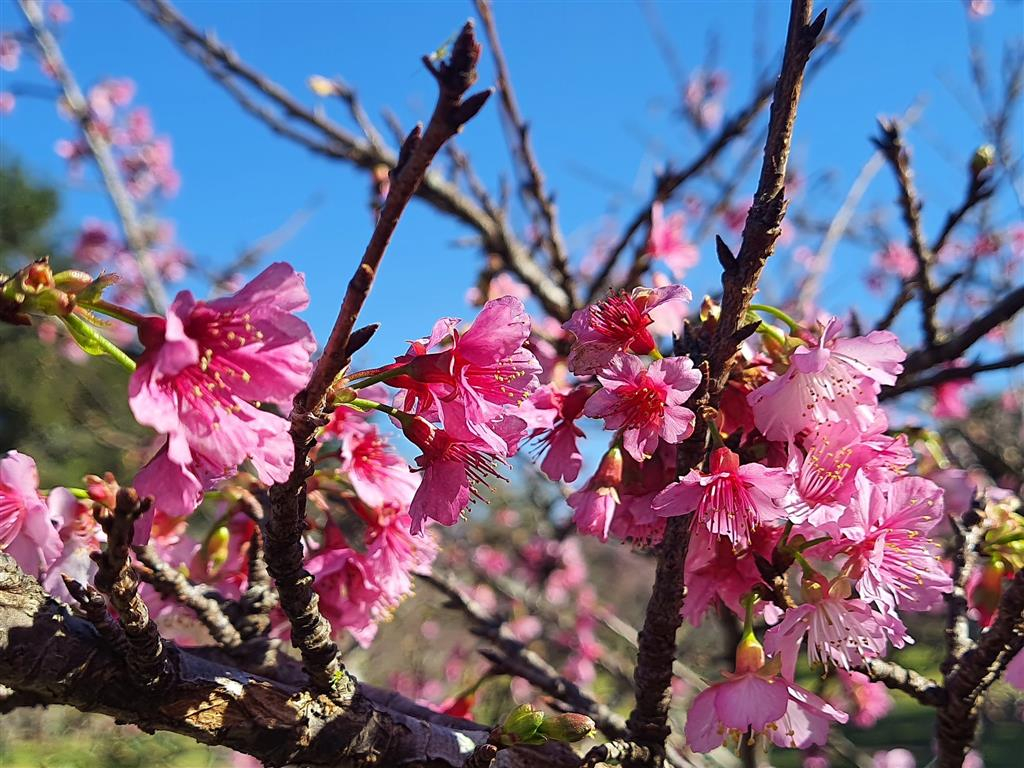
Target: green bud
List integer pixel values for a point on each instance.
(217, 547)
(520, 726)
(568, 727)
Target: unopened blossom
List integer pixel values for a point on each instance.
(646, 403)
(757, 700)
(618, 323)
(26, 531)
(841, 631)
(885, 537)
(668, 244)
(453, 469)
(204, 370)
(837, 380)
(485, 374)
(733, 500)
(595, 504)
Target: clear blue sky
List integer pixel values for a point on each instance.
(588, 76)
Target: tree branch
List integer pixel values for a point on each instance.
(657, 645)
(99, 146)
(898, 678)
(311, 633)
(331, 140)
(532, 181)
(949, 374)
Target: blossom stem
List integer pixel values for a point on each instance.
(373, 405)
(90, 339)
(814, 542)
(78, 493)
(716, 435)
(377, 375)
(795, 328)
(125, 315)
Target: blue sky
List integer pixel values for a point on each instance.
(589, 78)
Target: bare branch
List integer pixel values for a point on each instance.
(949, 374)
(325, 137)
(899, 678)
(99, 146)
(532, 181)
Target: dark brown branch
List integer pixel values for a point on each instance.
(327, 138)
(173, 585)
(966, 536)
(953, 347)
(94, 608)
(974, 672)
(58, 658)
(890, 143)
(147, 657)
(512, 657)
(668, 183)
(311, 633)
(949, 374)
(657, 645)
(898, 678)
(532, 181)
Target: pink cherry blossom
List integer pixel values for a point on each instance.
(756, 700)
(648, 404)
(486, 373)
(205, 368)
(453, 469)
(841, 631)
(10, 52)
(733, 500)
(26, 531)
(890, 555)
(558, 445)
(869, 701)
(667, 242)
(594, 506)
(378, 475)
(618, 323)
(837, 380)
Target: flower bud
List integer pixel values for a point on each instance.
(569, 727)
(521, 724)
(217, 547)
(749, 654)
(984, 157)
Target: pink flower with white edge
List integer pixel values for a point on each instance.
(837, 380)
(733, 500)
(594, 506)
(841, 631)
(885, 537)
(205, 369)
(757, 700)
(667, 242)
(618, 323)
(26, 531)
(647, 404)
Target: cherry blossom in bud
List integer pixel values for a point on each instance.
(734, 500)
(668, 243)
(594, 506)
(486, 373)
(841, 631)
(27, 532)
(618, 323)
(755, 700)
(647, 404)
(885, 537)
(453, 469)
(204, 370)
(838, 380)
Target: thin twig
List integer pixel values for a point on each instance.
(532, 181)
(950, 374)
(99, 146)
